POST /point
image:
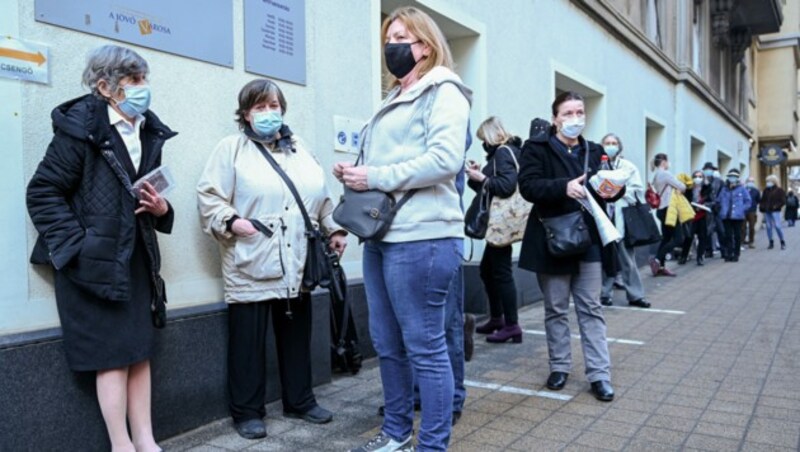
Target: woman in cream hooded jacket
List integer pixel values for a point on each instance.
(248, 208)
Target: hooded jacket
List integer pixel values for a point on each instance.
(81, 200)
(416, 140)
(239, 181)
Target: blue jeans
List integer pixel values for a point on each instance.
(773, 220)
(407, 286)
(454, 335)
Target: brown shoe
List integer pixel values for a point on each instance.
(663, 271)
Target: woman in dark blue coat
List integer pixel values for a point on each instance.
(99, 235)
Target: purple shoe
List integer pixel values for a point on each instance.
(513, 332)
(492, 325)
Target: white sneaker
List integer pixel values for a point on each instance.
(383, 443)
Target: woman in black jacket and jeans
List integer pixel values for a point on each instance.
(552, 178)
(499, 178)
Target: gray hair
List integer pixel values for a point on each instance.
(614, 136)
(112, 63)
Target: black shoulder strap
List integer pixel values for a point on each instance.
(586, 161)
(289, 183)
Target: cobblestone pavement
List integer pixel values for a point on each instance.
(711, 367)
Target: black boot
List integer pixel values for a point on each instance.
(783, 245)
(771, 244)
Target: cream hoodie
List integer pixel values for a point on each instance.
(238, 180)
(417, 140)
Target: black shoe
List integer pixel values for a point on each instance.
(251, 429)
(783, 245)
(700, 262)
(417, 407)
(682, 260)
(456, 417)
(606, 301)
(709, 254)
(771, 245)
(642, 303)
(316, 415)
(602, 391)
(557, 380)
(469, 331)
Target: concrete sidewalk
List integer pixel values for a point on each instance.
(711, 366)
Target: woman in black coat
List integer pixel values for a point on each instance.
(552, 177)
(499, 178)
(98, 233)
(699, 193)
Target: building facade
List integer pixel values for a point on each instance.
(700, 80)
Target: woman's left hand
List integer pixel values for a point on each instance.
(338, 242)
(355, 178)
(151, 202)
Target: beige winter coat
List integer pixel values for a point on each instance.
(238, 180)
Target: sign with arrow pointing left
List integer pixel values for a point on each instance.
(24, 60)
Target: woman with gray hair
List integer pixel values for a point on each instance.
(634, 193)
(99, 235)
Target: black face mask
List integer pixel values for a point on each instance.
(399, 58)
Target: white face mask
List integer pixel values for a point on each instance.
(573, 127)
(698, 180)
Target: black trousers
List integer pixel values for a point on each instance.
(498, 279)
(247, 356)
(699, 228)
(667, 233)
(732, 240)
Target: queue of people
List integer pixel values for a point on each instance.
(97, 222)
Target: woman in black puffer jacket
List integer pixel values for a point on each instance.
(99, 235)
(499, 178)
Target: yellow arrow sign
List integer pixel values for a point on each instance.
(37, 57)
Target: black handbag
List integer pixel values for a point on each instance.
(158, 302)
(476, 220)
(368, 214)
(640, 226)
(317, 271)
(568, 235)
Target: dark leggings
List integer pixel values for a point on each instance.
(667, 232)
(498, 279)
(699, 229)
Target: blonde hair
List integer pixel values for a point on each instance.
(774, 179)
(425, 29)
(492, 132)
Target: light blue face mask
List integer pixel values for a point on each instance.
(708, 172)
(572, 128)
(612, 151)
(136, 102)
(267, 123)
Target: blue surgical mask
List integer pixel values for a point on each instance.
(136, 102)
(751, 184)
(770, 184)
(267, 123)
(612, 151)
(708, 172)
(733, 180)
(572, 128)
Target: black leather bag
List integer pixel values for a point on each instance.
(317, 271)
(568, 235)
(368, 214)
(476, 220)
(640, 226)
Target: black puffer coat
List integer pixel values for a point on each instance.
(81, 200)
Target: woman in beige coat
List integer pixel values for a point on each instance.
(254, 217)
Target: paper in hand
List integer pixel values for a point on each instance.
(160, 178)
